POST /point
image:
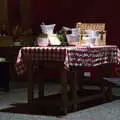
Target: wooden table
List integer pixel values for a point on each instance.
(72, 59)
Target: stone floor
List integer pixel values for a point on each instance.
(12, 106)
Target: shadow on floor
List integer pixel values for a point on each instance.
(36, 109)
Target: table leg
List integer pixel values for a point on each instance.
(41, 87)
(30, 84)
(73, 88)
(64, 91)
(39, 75)
(109, 93)
(79, 76)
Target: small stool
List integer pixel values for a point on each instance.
(4, 74)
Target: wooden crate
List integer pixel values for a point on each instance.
(99, 27)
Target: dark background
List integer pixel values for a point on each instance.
(69, 12)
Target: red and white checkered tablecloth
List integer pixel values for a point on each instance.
(39, 53)
(92, 56)
(71, 56)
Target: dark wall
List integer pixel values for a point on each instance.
(14, 12)
(70, 11)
